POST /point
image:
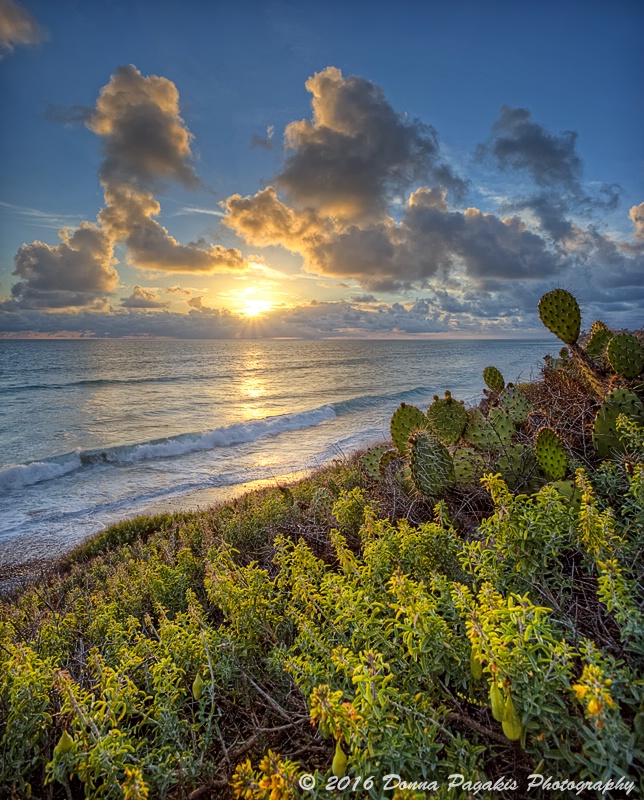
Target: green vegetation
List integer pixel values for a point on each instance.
(467, 602)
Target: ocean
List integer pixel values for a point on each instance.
(96, 431)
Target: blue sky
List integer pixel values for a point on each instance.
(528, 113)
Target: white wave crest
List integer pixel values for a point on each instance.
(232, 434)
(16, 476)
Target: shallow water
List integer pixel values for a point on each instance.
(93, 431)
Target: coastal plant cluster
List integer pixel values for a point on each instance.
(465, 601)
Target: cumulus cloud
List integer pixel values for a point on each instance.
(196, 302)
(356, 152)
(146, 143)
(78, 272)
(343, 206)
(17, 26)
(127, 217)
(363, 298)
(143, 297)
(365, 197)
(519, 144)
(345, 173)
(178, 290)
(145, 140)
(387, 255)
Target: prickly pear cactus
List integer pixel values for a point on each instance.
(404, 420)
(404, 480)
(559, 312)
(598, 326)
(370, 461)
(492, 433)
(516, 404)
(386, 458)
(432, 468)
(447, 418)
(606, 440)
(626, 355)
(517, 465)
(493, 379)
(503, 426)
(551, 454)
(599, 338)
(570, 491)
(469, 465)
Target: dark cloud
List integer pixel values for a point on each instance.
(77, 272)
(430, 241)
(17, 26)
(357, 151)
(142, 297)
(363, 298)
(144, 137)
(520, 143)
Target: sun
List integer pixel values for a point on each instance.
(255, 307)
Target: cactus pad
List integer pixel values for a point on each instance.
(469, 465)
(447, 418)
(570, 491)
(598, 326)
(432, 468)
(551, 454)
(600, 336)
(503, 426)
(516, 404)
(370, 461)
(605, 436)
(517, 465)
(403, 479)
(559, 312)
(626, 355)
(386, 458)
(492, 433)
(493, 379)
(404, 420)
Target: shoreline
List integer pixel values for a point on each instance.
(15, 575)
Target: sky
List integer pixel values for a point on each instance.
(296, 170)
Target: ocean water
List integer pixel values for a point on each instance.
(95, 431)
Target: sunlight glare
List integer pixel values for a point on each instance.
(255, 307)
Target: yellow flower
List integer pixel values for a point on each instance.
(580, 691)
